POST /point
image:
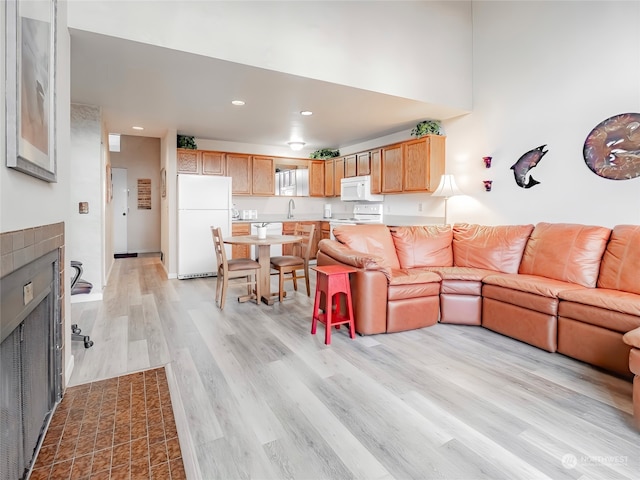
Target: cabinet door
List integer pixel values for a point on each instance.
(316, 178)
(391, 163)
(287, 229)
(239, 169)
(213, 163)
(329, 167)
(188, 161)
(325, 230)
(363, 167)
(375, 157)
(350, 166)
(423, 163)
(240, 251)
(263, 175)
(338, 176)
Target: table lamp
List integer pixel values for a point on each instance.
(447, 188)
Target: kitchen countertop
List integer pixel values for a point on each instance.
(393, 220)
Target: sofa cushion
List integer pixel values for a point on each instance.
(462, 273)
(620, 267)
(496, 248)
(633, 338)
(599, 315)
(614, 300)
(545, 287)
(423, 246)
(372, 239)
(566, 252)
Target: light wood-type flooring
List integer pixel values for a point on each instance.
(260, 397)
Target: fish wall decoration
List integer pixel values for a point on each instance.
(525, 163)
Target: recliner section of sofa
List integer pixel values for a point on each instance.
(561, 287)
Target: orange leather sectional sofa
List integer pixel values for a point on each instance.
(570, 288)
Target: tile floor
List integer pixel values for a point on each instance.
(120, 428)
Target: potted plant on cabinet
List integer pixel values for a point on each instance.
(426, 127)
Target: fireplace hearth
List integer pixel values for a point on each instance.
(31, 378)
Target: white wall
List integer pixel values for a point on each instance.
(26, 201)
(417, 50)
(141, 157)
(544, 73)
(86, 231)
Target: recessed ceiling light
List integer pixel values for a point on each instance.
(296, 145)
(306, 113)
(138, 128)
(237, 102)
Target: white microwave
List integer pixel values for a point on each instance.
(358, 189)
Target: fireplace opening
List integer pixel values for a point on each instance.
(30, 361)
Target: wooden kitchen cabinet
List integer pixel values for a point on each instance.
(316, 178)
(392, 168)
(375, 165)
(239, 169)
(213, 163)
(240, 251)
(329, 182)
(350, 166)
(188, 161)
(325, 230)
(424, 162)
(363, 166)
(263, 176)
(338, 176)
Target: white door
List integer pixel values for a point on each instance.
(120, 210)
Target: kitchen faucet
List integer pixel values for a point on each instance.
(292, 206)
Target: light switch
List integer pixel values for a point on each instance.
(27, 293)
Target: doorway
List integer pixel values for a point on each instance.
(120, 211)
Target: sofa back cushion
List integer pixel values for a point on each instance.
(496, 248)
(566, 252)
(372, 239)
(424, 246)
(620, 267)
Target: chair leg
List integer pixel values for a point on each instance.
(218, 288)
(294, 277)
(223, 295)
(256, 277)
(306, 279)
(280, 285)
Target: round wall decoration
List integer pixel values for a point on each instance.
(612, 149)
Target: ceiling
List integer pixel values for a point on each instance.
(159, 89)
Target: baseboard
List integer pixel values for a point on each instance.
(86, 297)
(69, 370)
(125, 255)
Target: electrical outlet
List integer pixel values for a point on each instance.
(420, 206)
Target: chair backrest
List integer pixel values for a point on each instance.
(302, 249)
(218, 244)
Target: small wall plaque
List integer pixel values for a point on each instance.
(83, 207)
(144, 193)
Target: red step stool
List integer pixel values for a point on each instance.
(333, 280)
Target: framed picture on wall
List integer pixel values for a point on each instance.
(30, 94)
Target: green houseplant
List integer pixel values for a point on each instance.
(426, 127)
(185, 141)
(324, 153)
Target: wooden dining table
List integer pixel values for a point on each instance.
(264, 257)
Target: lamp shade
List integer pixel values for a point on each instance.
(447, 187)
(296, 145)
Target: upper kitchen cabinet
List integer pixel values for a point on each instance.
(375, 164)
(329, 182)
(316, 178)
(188, 161)
(239, 169)
(424, 162)
(263, 174)
(391, 168)
(363, 166)
(350, 166)
(338, 176)
(213, 163)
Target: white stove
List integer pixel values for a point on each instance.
(362, 213)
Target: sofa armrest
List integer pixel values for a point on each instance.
(632, 338)
(354, 258)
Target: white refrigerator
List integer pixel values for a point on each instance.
(203, 201)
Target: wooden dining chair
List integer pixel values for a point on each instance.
(298, 260)
(232, 269)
